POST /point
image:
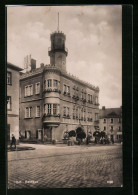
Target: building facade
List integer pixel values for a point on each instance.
(12, 101)
(52, 101)
(110, 121)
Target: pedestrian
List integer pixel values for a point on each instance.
(13, 142)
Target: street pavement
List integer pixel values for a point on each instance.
(62, 166)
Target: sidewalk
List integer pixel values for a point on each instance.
(28, 146)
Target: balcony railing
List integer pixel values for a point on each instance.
(48, 90)
(51, 115)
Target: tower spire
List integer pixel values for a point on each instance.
(58, 22)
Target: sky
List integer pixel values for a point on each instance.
(93, 38)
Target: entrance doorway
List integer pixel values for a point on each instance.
(48, 133)
(39, 134)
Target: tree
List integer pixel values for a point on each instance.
(97, 136)
(103, 134)
(80, 134)
(72, 133)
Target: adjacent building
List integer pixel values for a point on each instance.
(110, 121)
(53, 101)
(12, 100)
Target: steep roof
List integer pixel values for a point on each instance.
(110, 113)
(64, 73)
(14, 67)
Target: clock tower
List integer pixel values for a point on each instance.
(57, 51)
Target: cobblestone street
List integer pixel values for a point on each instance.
(62, 166)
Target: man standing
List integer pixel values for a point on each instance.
(13, 141)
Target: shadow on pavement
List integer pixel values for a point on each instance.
(20, 148)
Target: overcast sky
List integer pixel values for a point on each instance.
(93, 39)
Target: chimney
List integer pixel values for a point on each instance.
(33, 64)
(42, 65)
(103, 108)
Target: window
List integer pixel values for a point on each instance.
(55, 83)
(54, 109)
(66, 89)
(96, 100)
(119, 120)
(74, 111)
(96, 116)
(119, 128)
(49, 83)
(28, 112)
(85, 95)
(45, 84)
(88, 97)
(67, 111)
(77, 112)
(37, 88)
(8, 102)
(28, 90)
(91, 98)
(111, 128)
(104, 120)
(49, 108)
(84, 114)
(64, 111)
(104, 128)
(45, 109)
(9, 78)
(111, 120)
(37, 111)
(82, 94)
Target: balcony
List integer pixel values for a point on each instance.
(51, 119)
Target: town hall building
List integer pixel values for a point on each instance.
(53, 101)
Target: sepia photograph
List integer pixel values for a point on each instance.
(64, 96)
